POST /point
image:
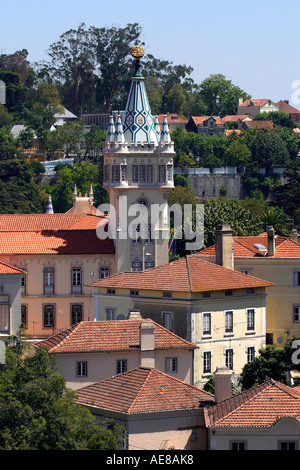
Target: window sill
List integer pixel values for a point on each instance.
(252, 332)
(206, 336)
(228, 335)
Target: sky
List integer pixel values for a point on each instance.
(252, 43)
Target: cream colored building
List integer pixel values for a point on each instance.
(277, 259)
(96, 350)
(256, 106)
(220, 310)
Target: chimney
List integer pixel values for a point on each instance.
(222, 384)
(224, 248)
(294, 235)
(271, 240)
(134, 314)
(147, 343)
(240, 101)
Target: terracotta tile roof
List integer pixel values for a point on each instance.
(172, 118)
(52, 234)
(287, 108)
(142, 390)
(110, 335)
(199, 120)
(8, 269)
(259, 102)
(260, 124)
(234, 117)
(244, 247)
(190, 274)
(258, 407)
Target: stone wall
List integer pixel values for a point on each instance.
(212, 185)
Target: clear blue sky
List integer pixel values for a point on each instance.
(253, 43)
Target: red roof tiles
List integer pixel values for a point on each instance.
(244, 247)
(190, 274)
(261, 406)
(199, 120)
(110, 335)
(8, 269)
(142, 390)
(52, 234)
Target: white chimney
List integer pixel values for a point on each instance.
(294, 235)
(271, 240)
(224, 247)
(147, 343)
(134, 314)
(222, 384)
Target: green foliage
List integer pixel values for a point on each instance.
(38, 412)
(272, 363)
(278, 118)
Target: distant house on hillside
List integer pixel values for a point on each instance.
(285, 107)
(258, 125)
(174, 121)
(255, 106)
(206, 125)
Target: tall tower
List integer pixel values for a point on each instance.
(138, 170)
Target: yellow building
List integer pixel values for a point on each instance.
(221, 310)
(272, 257)
(60, 253)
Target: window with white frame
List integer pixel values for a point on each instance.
(171, 365)
(250, 319)
(206, 362)
(4, 313)
(104, 271)
(206, 319)
(250, 353)
(229, 321)
(167, 318)
(110, 313)
(76, 280)
(121, 366)
(81, 369)
(48, 281)
(296, 313)
(229, 358)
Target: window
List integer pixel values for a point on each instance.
(287, 445)
(135, 173)
(76, 313)
(142, 174)
(250, 353)
(23, 285)
(250, 319)
(48, 281)
(134, 293)
(205, 295)
(238, 445)
(137, 265)
(296, 313)
(229, 358)
(115, 174)
(136, 238)
(296, 280)
(24, 315)
(121, 366)
(171, 364)
(106, 173)
(104, 271)
(162, 173)
(81, 369)
(4, 313)
(167, 295)
(206, 362)
(111, 291)
(228, 292)
(110, 313)
(250, 291)
(123, 172)
(149, 264)
(248, 271)
(49, 311)
(229, 321)
(76, 280)
(149, 174)
(206, 323)
(149, 239)
(170, 172)
(168, 320)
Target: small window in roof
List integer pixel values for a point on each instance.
(260, 247)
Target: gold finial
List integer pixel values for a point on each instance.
(137, 52)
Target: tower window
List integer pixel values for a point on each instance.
(142, 174)
(136, 265)
(135, 173)
(115, 174)
(106, 173)
(162, 173)
(149, 174)
(123, 172)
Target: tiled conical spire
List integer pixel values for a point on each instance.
(111, 131)
(49, 209)
(119, 135)
(138, 122)
(165, 137)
